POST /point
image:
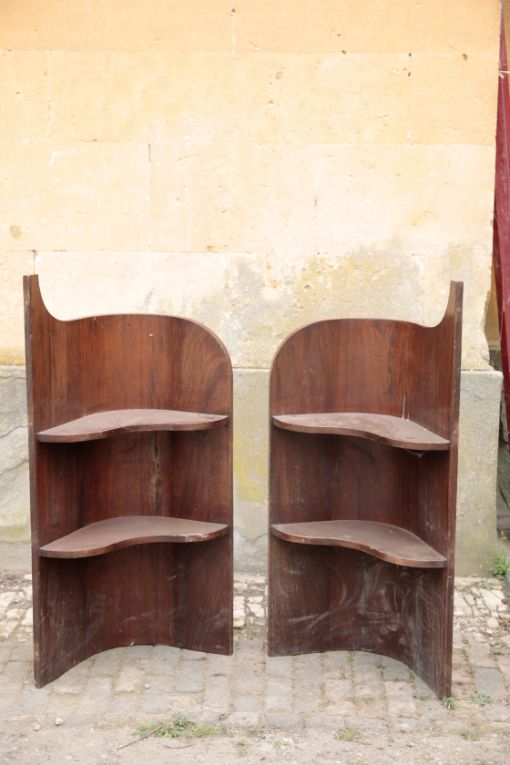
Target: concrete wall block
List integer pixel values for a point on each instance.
(420, 199)
(272, 98)
(14, 487)
(463, 109)
(383, 26)
(232, 198)
(467, 27)
(473, 267)
(13, 266)
(478, 446)
(24, 95)
(299, 26)
(74, 195)
(117, 25)
(251, 463)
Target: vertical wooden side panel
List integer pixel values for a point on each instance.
(346, 599)
(58, 591)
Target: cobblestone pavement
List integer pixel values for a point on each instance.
(327, 708)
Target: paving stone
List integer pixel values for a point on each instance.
(337, 663)
(62, 706)
(342, 707)
(217, 692)
(65, 688)
(248, 684)
(336, 691)
(129, 679)
(247, 704)
(190, 677)
(306, 703)
(394, 670)
(218, 664)
(400, 699)
(166, 653)
(32, 700)
(278, 666)
(479, 655)
(193, 655)
(279, 694)
(106, 662)
(252, 647)
(284, 721)
(154, 703)
(490, 682)
(97, 696)
(242, 719)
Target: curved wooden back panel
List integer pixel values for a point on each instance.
(122, 361)
(161, 593)
(374, 367)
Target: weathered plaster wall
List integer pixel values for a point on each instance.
(254, 165)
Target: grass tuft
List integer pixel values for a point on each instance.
(178, 727)
(347, 734)
(500, 562)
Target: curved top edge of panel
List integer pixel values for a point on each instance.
(453, 311)
(34, 299)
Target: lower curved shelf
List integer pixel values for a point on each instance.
(382, 540)
(128, 531)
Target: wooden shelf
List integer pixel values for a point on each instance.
(394, 431)
(127, 531)
(111, 423)
(382, 540)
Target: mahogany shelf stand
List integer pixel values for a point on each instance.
(363, 473)
(130, 435)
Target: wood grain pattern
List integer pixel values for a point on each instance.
(126, 531)
(382, 540)
(171, 594)
(385, 428)
(108, 424)
(324, 597)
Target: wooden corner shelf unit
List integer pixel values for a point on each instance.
(130, 433)
(363, 471)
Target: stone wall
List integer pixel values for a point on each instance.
(256, 166)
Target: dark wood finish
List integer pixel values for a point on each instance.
(113, 423)
(324, 597)
(172, 594)
(129, 530)
(394, 431)
(382, 540)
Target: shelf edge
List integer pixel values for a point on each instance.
(55, 434)
(439, 562)
(297, 424)
(54, 549)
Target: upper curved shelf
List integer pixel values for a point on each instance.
(127, 531)
(381, 540)
(394, 431)
(107, 424)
